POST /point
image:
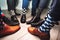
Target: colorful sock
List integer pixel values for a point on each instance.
(1, 13)
(48, 23)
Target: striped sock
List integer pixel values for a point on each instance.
(48, 23)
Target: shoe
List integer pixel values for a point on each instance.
(42, 35)
(8, 30)
(9, 22)
(23, 18)
(40, 23)
(33, 20)
(37, 24)
(14, 18)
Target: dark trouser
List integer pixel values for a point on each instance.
(12, 4)
(25, 4)
(35, 4)
(41, 3)
(55, 10)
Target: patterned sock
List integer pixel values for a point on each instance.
(48, 23)
(1, 13)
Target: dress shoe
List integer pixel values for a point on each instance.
(23, 18)
(9, 22)
(42, 35)
(33, 20)
(8, 30)
(14, 18)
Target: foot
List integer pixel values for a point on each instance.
(23, 18)
(8, 30)
(14, 18)
(35, 31)
(9, 22)
(33, 20)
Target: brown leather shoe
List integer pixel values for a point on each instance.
(40, 34)
(9, 30)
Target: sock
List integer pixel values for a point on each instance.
(47, 25)
(24, 11)
(1, 13)
(12, 12)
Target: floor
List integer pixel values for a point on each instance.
(23, 33)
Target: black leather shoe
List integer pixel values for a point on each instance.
(37, 24)
(33, 20)
(14, 18)
(9, 22)
(23, 18)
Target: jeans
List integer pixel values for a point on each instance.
(25, 4)
(12, 4)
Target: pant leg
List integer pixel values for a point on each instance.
(15, 3)
(35, 4)
(55, 10)
(10, 4)
(43, 3)
(25, 4)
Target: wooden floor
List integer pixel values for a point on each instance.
(23, 33)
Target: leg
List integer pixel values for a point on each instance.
(10, 4)
(43, 31)
(15, 4)
(35, 4)
(42, 5)
(25, 8)
(11, 7)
